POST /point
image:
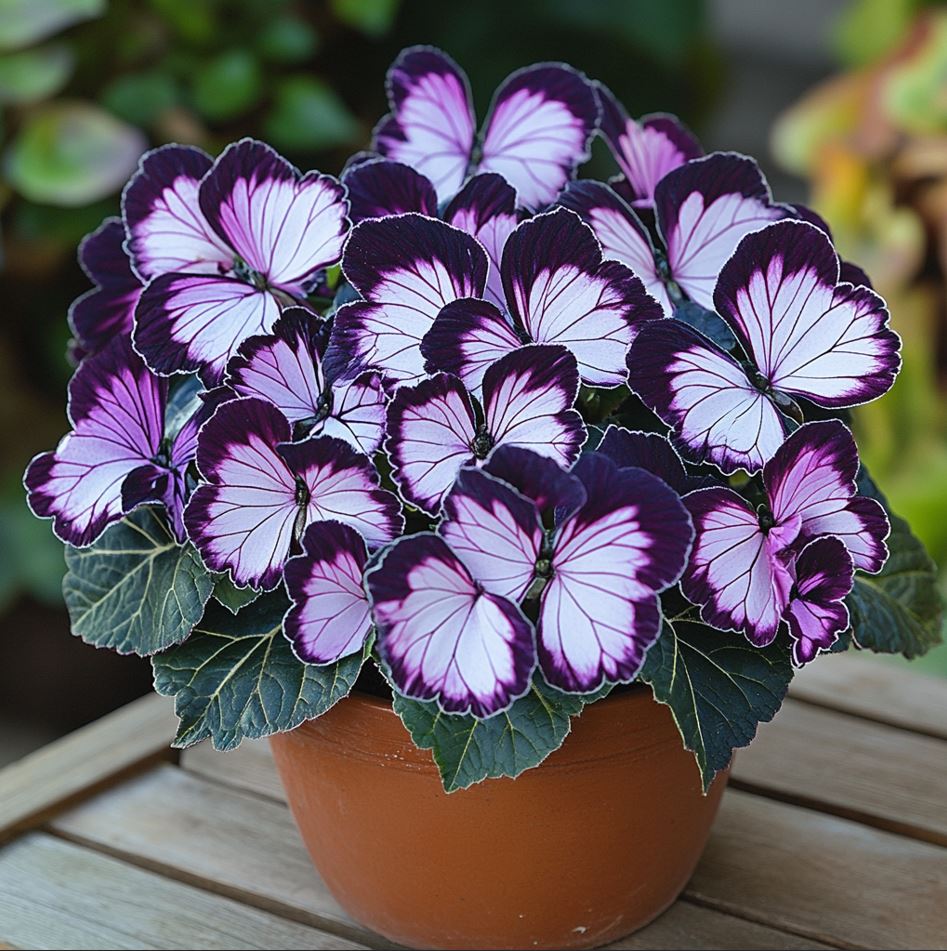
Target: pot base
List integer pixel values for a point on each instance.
(583, 850)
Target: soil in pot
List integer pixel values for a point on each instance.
(588, 847)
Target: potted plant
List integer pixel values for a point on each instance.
(419, 470)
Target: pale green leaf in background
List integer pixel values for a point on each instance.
(23, 22)
(307, 115)
(36, 74)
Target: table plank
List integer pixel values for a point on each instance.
(247, 847)
(881, 775)
(41, 782)
(57, 895)
(876, 691)
(823, 877)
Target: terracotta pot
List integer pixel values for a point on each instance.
(591, 845)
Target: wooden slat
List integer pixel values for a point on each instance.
(250, 766)
(823, 877)
(38, 784)
(57, 895)
(247, 847)
(887, 777)
(876, 691)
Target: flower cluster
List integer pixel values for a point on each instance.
(479, 408)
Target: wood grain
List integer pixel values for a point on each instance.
(246, 847)
(57, 895)
(250, 766)
(42, 782)
(886, 777)
(822, 877)
(876, 691)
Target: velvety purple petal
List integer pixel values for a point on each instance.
(560, 290)
(431, 126)
(407, 267)
(486, 209)
(817, 613)
(108, 309)
(379, 187)
(539, 130)
(243, 518)
(466, 338)
(187, 322)
(551, 488)
(807, 333)
(703, 394)
(330, 617)
(116, 406)
(703, 209)
(442, 636)
(619, 231)
(734, 572)
(167, 230)
(431, 433)
(649, 451)
(599, 610)
(812, 477)
(283, 366)
(528, 399)
(284, 225)
(647, 150)
(343, 485)
(494, 530)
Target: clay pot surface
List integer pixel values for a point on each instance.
(586, 848)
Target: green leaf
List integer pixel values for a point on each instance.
(287, 40)
(372, 17)
(72, 153)
(899, 610)
(228, 85)
(308, 115)
(467, 750)
(34, 74)
(719, 688)
(136, 590)
(24, 22)
(141, 98)
(237, 677)
(234, 599)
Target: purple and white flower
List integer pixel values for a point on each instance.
(225, 252)
(436, 427)
(744, 566)
(537, 132)
(805, 334)
(261, 491)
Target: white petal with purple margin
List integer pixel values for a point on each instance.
(407, 267)
(116, 406)
(716, 412)
(330, 617)
(807, 333)
(599, 611)
(560, 290)
(442, 636)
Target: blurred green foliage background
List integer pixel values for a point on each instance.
(87, 85)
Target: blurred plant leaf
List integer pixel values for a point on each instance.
(31, 557)
(228, 85)
(32, 75)
(140, 98)
(913, 91)
(194, 21)
(867, 29)
(287, 40)
(237, 677)
(72, 153)
(23, 22)
(308, 115)
(372, 17)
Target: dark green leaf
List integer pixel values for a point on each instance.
(709, 323)
(236, 677)
(373, 17)
(231, 597)
(72, 153)
(136, 590)
(286, 39)
(719, 688)
(307, 114)
(467, 750)
(228, 85)
(141, 98)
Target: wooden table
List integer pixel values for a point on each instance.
(833, 834)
